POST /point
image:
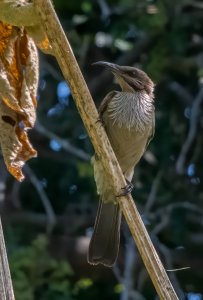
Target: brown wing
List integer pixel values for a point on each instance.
(105, 102)
(152, 131)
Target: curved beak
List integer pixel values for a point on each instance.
(112, 67)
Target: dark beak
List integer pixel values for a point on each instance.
(112, 67)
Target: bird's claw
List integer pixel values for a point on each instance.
(99, 121)
(126, 189)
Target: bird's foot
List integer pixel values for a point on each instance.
(126, 189)
(99, 121)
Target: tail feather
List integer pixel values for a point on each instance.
(104, 244)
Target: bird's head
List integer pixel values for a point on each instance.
(130, 79)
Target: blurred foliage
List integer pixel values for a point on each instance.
(36, 274)
(165, 39)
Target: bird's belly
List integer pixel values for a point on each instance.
(128, 145)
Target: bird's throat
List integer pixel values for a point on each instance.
(131, 110)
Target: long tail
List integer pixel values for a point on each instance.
(104, 244)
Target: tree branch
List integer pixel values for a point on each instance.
(64, 143)
(66, 59)
(51, 218)
(180, 164)
(153, 192)
(70, 221)
(130, 259)
(6, 288)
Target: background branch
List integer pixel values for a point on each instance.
(63, 143)
(153, 192)
(194, 118)
(130, 259)
(51, 218)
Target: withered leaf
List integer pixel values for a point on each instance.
(22, 13)
(18, 12)
(14, 142)
(18, 88)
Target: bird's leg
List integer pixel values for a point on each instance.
(126, 189)
(99, 120)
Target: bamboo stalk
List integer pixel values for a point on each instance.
(6, 287)
(71, 71)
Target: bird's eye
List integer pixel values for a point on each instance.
(131, 73)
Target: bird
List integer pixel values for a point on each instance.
(128, 117)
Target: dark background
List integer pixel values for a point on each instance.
(48, 218)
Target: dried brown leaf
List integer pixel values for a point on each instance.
(18, 88)
(22, 13)
(18, 12)
(40, 38)
(14, 142)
